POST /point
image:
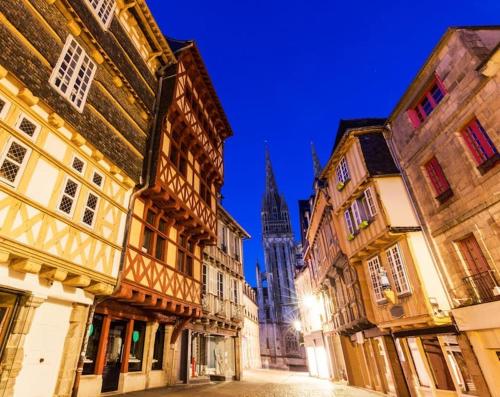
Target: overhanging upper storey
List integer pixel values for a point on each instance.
(187, 171)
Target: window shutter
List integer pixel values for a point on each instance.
(436, 175)
(412, 114)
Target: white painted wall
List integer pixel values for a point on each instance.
(396, 202)
(43, 350)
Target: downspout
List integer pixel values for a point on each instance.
(144, 185)
(418, 213)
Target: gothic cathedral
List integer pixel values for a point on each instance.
(278, 306)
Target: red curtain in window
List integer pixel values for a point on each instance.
(478, 142)
(436, 175)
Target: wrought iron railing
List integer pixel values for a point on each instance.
(482, 287)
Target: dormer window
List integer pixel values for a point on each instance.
(427, 102)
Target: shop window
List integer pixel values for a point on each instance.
(483, 150)
(437, 363)
(137, 346)
(458, 366)
(8, 303)
(94, 333)
(158, 348)
(418, 362)
(73, 73)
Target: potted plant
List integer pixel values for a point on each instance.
(340, 186)
(364, 224)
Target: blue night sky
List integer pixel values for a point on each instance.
(287, 71)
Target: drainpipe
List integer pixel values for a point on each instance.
(144, 185)
(417, 212)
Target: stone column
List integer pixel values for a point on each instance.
(169, 352)
(473, 365)
(237, 356)
(71, 352)
(149, 350)
(13, 354)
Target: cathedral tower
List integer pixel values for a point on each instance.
(278, 309)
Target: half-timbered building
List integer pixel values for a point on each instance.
(77, 94)
(215, 338)
(174, 217)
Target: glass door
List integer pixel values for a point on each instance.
(114, 353)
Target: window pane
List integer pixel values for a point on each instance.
(147, 244)
(93, 344)
(160, 248)
(158, 347)
(137, 346)
(423, 376)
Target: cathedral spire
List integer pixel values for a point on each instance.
(316, 164)
(270, 181)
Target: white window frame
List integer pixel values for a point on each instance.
(5, 109)
(98, 8)
(342, 170)
(75, 199)
(72, 79)
(356, 214)
(220, 285)
(204, 278)
(82, 172)
(371, 204)
(22, 166)
(20, 119)
(102, 179)
(400, 276)
(374, 269)
(93, 210)
(349, 221)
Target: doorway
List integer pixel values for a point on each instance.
(114, 354)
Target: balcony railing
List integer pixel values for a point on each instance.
(224, 259)
(222, 308)
(482, 287)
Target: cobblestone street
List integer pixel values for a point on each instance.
(261, 383)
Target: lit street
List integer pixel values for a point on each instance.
(261, 383)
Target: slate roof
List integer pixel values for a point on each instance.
(378, 158)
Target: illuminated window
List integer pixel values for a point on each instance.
(94, 333)
(137, 346)
(73, 73)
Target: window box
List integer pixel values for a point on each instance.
(364, 224)
(443, 197)
(352, 236)
(341, 185)
(488, 164)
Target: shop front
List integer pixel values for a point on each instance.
(435, 362)
(125, 351)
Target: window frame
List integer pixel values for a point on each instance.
(479, 143)
(72, 80)
(22, 166)
(374, 270)
(397, 276)
(220, 285)
(94, 211)
(75, 199)
(6, 107)
(342, 171)
(94, 173)
(76, 157)
(417, 113)
(37, 125)
(95, 11)
(437, 178)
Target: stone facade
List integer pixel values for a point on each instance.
(250, 342)
(466, 219)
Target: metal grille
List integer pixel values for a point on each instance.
(78, 164)
(97, 179)
(88, 217)
(12, 162)
(71, 188)
(27, 127)
(66, 204)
